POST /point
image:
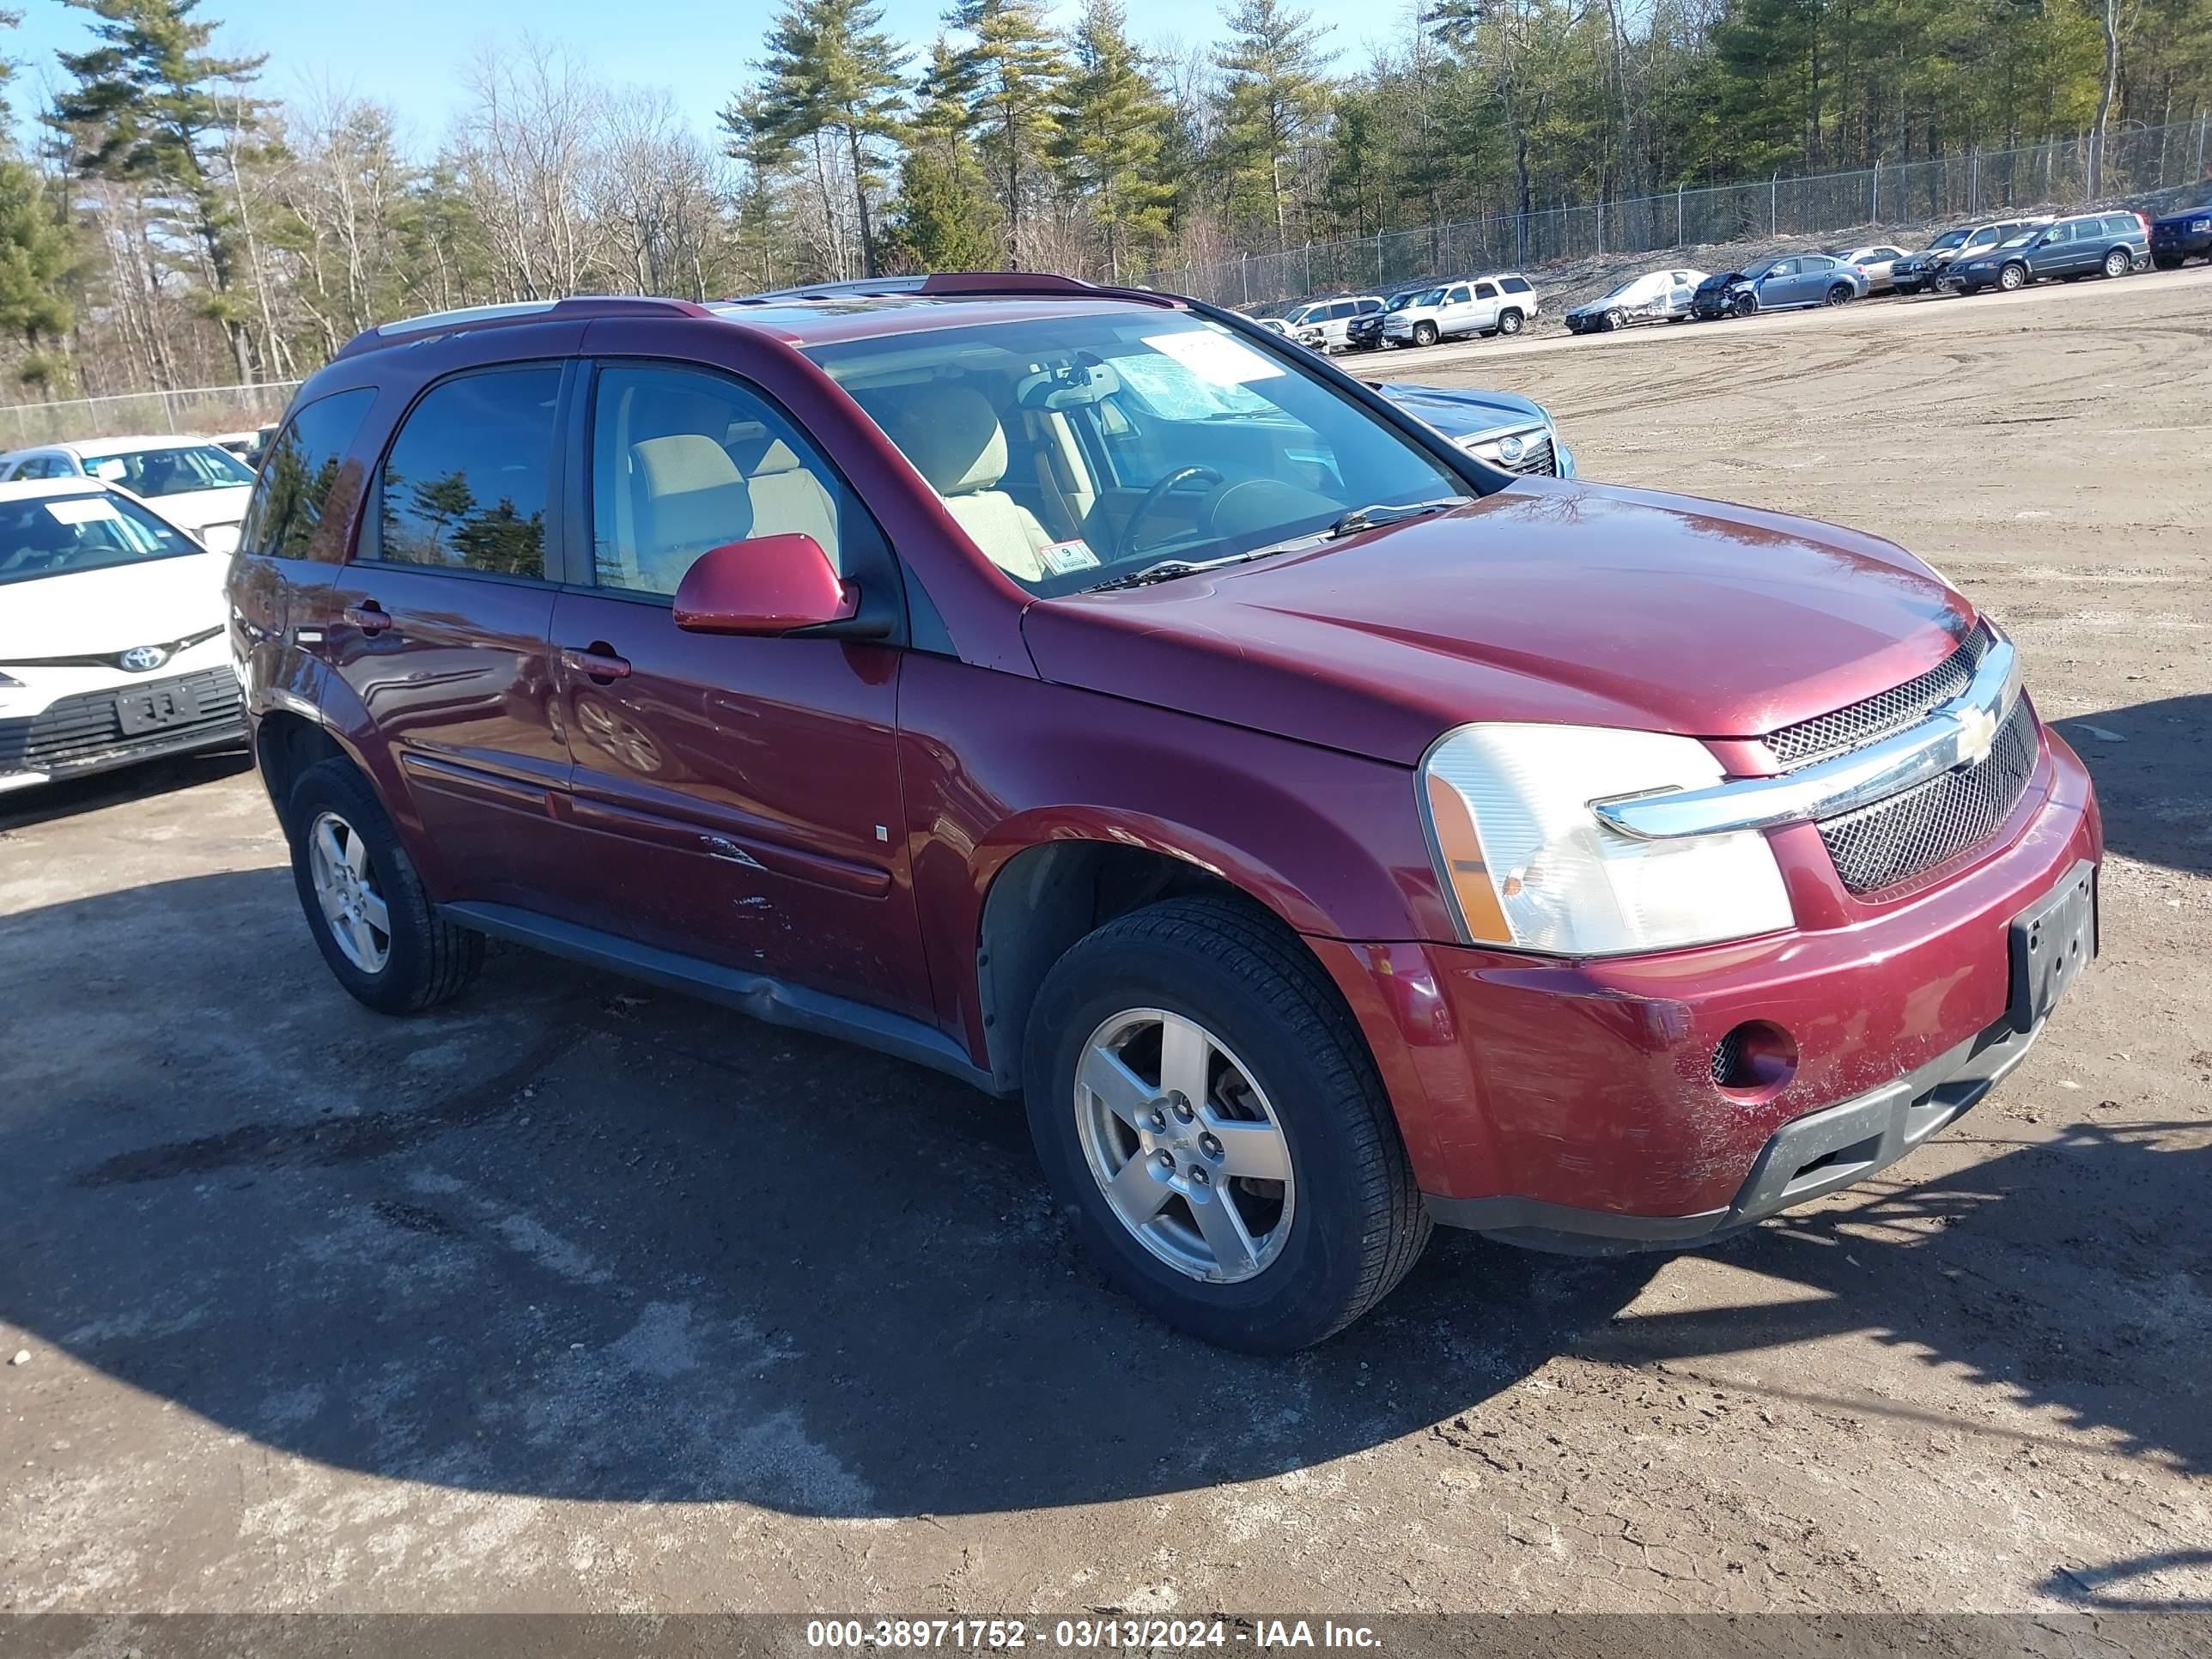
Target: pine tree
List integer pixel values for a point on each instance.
(946, 219)
(151, 103)
(1275, 99)
(1013, 67)
(829, 67)
(1112, 122)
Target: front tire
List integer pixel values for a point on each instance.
(1209, 1118)
(1615, 321)
(2013, 278)
(383, 939)
(1424, 334)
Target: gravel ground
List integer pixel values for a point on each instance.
(582, 1296)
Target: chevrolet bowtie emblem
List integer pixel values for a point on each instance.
(1977, 733)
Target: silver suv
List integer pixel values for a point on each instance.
(1474, 304)
(1924, 271)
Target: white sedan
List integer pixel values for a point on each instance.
(112, 634)
(199, 484)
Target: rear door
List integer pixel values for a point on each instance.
(740, 797)
(438, 629)
(1482, 314)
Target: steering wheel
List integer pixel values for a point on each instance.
(1153, 497)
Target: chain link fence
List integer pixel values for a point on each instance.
(2141, 165)
(205, 408)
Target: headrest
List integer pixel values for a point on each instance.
(683, 462)
(951, 436)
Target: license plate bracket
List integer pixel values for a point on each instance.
(154, 707)
(2051, 941)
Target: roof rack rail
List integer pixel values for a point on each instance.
(1039, 284)
(576, 306)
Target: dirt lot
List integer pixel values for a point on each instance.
(586, 1297)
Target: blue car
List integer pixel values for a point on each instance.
(2080, 244)
(1788, 281)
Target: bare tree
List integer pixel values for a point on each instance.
(656, 198)
(523, 153)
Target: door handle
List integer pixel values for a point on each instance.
(597, 660)
(368, 616)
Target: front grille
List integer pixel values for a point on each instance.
(83, 729)
(1536, 456)
(1883, 716)
(1892, 841)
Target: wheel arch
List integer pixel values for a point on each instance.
(285, 744)
(1043, 893)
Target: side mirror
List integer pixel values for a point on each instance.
(768, 585)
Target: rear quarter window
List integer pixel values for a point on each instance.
(305, 482)
(1514, 285)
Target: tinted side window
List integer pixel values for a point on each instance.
(300, 476)
(464, 483)
(1457, 297)
(682, 461)
(2123, 224)
(1514, 285)
(1370, 307)
(1485, 291)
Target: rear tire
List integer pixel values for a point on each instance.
(2119, 263)
(1508, 322)
(1309, 1252)
(383, 939)
(1841, 294)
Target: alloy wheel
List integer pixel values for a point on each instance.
(2012, 278)
(346, 888)
(1184, 1146)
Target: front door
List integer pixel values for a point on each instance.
(438, 629)
(741, 794)
(1456, 314)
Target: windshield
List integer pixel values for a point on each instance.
(173, 469)
(60, 535)
(2022, 239)
(1429, 296)
(1753, 273)
(1400, 301)
(1079, 449)
(1949, 238)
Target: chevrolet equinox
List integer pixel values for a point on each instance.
(1093, 695)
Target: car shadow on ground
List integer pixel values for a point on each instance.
(2152, 766)
(45, 802)
(579, 1239)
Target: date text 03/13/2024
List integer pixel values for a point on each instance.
(1087, 1633)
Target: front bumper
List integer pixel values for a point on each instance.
(83, 732)
(2182, 244)
(1579, 1099)
(1835, 1147)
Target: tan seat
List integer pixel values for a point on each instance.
(690, 497)
(955, 441)
(787, 498)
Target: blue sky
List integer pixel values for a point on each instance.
(406, 53)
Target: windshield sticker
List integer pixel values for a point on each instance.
(1060, 557)
(1214, 357)
(82, 509)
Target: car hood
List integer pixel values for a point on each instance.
(95, 612)
(1549, 601)
(196, 509)
(1462, 414)
(2180, 221)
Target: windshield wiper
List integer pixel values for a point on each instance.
(1381, 512)
(1166, 570)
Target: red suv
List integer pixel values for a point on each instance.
(1090, 695)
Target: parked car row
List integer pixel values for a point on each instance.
(2003, 254)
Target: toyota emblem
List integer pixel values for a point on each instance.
(1509, 450)
(141, 658)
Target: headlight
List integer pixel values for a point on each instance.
(2200, 224)
(8, 680)
(1529, 866)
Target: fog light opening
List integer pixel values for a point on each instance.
(1755, 1060)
